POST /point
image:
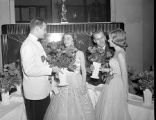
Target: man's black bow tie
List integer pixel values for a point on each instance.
(40, 40)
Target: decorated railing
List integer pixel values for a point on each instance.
(69, 27)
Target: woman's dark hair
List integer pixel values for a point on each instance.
(74, 36)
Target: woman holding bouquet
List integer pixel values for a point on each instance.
(112, 103)
(72, 102)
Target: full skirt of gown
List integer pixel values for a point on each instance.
(112, 103)
(72, 102)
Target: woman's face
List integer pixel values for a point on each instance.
(68, 40)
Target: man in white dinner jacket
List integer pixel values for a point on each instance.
(36, 85)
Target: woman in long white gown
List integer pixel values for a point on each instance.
(112, 103)
(72, 102)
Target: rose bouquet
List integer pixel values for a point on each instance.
(133, 80)
(64, 58)
(101, 56)
(146, 80)
(58, 55)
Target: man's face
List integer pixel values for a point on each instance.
(42, 30)
(100, 39)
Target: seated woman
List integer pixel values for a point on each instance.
(72, 102)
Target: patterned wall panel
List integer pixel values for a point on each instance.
(70, 27)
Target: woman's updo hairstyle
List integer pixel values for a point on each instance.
(119, 38)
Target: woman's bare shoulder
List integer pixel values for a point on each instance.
(122, 53)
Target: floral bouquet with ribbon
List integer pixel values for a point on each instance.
(64, 58)
(58, 55)
(100, 58)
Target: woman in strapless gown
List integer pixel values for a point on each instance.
(72, 102)
(112, 103)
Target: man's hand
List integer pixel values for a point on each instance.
(56, 69)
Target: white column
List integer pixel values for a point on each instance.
(7, 12)
(7, 16)
(55, 18)
(12, 11)
(130, 12)
(113, 10)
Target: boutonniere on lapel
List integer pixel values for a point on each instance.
(43, 58)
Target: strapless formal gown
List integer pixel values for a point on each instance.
(112, 103)
(72, 102)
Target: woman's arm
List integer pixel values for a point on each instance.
(123, 67)
(83, 68)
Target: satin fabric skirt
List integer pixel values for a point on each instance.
(72, 102)
(112, 103)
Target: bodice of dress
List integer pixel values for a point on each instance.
(114, 65)
(77, 63)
